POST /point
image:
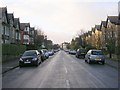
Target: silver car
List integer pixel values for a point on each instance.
(95, 56)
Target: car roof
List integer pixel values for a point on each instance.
(31, 51)
(95, 50)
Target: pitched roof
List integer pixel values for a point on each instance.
(16, 21)
(89, 32)
(23, 25)
(97, 27)
(10, 16)
(4, 12)
(104, 23)
(93, 29)
(114, 19)
(32, 28)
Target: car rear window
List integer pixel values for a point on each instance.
(97, 53)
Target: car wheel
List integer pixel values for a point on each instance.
(103, 62)
(76, 56)
(37, 63)
(42, 59)
(89, 61)
(20, 65)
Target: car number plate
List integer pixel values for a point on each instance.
(97, 59)
(27, 62)
(82, 53)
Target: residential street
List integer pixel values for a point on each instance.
(62, 70)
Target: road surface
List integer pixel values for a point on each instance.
(62, 71)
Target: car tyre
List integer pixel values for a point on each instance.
(89, 61)
(103, 62)
(20, 65)
(37, 63)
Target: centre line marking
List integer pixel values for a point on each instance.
(68, 83)
(66, 70)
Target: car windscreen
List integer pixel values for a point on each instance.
(44, 50)
(29, 54)
(82, 51)
(97, 53)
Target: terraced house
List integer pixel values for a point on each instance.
(11, 27)
(4, 25)
(32, 35)
(17, 31)
(14, 32)
(25, 28)
(104, 34)
(113, 23)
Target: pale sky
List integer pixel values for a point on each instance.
(61, 20)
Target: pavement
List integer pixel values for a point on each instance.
(6, 66)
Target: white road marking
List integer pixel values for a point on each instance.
(68, 83)
(66, 70)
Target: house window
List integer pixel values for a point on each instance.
(2, 41)
(6, 41)
(6, 31)
(112, 34)
(19, 36)
(2, 31)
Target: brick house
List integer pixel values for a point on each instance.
(32, 35)
(25, 30)
(97, 37)
(93, 37)
(90, 38)
(112, 24)
(104, 34)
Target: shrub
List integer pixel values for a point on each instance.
(13, 49)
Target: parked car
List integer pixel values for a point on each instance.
(95, 56)
(66, 50)
(51, 52)
(46, 53)
(30, 57)
(73, 52)
(43, 56)
(80, 53)
(56, 50)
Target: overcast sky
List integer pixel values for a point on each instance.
(61, 20)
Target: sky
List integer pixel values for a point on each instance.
(62, 20)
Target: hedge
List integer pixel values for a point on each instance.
(13, 49)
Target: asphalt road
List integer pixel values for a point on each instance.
(62, 71)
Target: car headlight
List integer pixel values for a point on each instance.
(34, 59)
(90, 57)
(21, 59)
